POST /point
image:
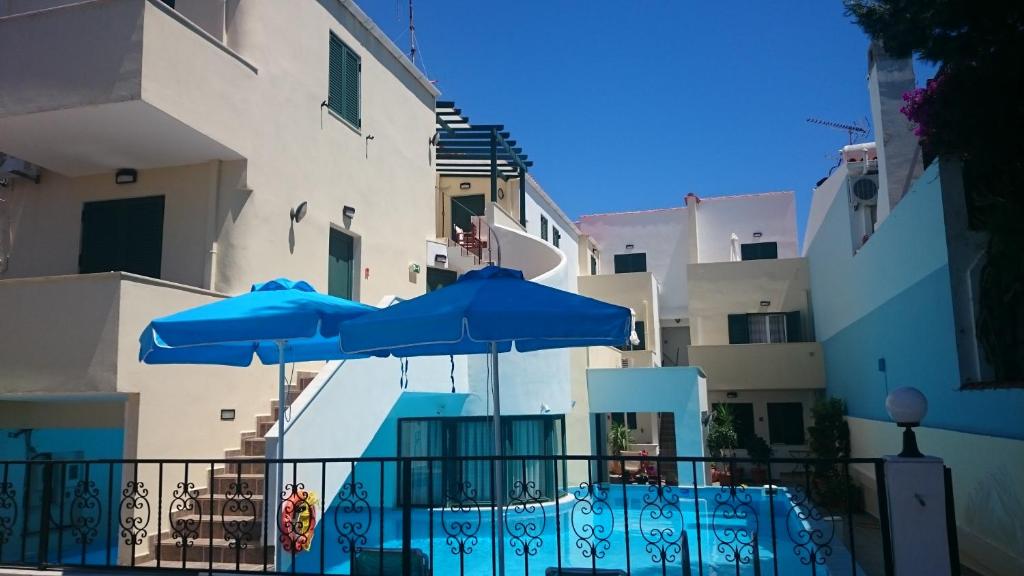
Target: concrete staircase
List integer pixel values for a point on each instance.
(235, 538)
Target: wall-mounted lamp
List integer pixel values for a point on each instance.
(465, 185)
(765, 303)
(299, 212)
(629, 246)
(348, 212)
(126, 176)
(732, 395)
(757, 234)
(227, 414)
(907, 406)
(544, 409)
(440, 259)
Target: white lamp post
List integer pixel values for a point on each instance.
(907, 406)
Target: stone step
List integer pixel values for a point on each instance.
(254, 446)
(222, 504)
(172, 551)
(238, 525)
(217, 566)
(253, 467)
(224, 482)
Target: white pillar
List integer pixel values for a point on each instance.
(917, 511)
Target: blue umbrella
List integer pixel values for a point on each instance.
(278, 321)
(488, 311)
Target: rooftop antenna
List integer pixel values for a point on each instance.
(412, 35)
(850, 128)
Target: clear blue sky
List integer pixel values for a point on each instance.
(630, 105)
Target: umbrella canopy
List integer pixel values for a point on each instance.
(489, 306)
(230, 331)
(489, 310)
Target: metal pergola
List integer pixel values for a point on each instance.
(465, 149)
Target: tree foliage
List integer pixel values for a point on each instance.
(973, 111)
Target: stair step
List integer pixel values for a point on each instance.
(237, 524)
(245, 465)
(224, 482)
(222, 504)
(254, 446)
(217, 566)
(224, 551)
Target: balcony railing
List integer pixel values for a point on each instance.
(433, 516)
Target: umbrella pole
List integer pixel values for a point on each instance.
(281, 400)
(499, 481)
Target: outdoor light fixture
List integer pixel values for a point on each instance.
(765, 303)
(465, 186)
(907, 406)
(227, 414)
(299, 212)
(348, 212)
(757, 234)
(629, 246)
(126, 176)
(440, 259)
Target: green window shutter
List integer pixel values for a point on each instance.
(543, 228)
(353, 68)
(336, 74)
(793, 332)
(739, 331)
(343, 85)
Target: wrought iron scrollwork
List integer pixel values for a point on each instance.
(85, 512)
(734, 524)
(661, 524)
(238, 516)
(8, 511)
(186, 514)
(352, 516)
(135, 512)
(592, 519)
(523, 524)
(296, 534)
(810, 533)
(460, 519)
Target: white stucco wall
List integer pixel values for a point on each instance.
(773, 214)
(661, 234)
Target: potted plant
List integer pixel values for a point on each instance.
(829, 439)
(721, 440)
(760, 452)
(619, 439)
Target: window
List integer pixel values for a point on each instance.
(786, 423)
(438, 278)
(472, 436)
(343, 82)
(641, 335)
(764, 328)
(760, 251)
(593, 264)
(625, 263)
(340, 264)
(543, 228)
(625, 418)
(122, 235)
(556, 236)
(743, 421)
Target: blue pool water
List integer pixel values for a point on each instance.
(647, 530)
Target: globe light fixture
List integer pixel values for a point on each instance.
(907, 406)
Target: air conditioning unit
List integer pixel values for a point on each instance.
(17, 167)
(863, 190)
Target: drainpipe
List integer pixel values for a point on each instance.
(213, 208)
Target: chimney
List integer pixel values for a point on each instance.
(899, 155)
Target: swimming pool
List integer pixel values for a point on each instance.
(641, 529)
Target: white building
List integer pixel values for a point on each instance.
(718, 284)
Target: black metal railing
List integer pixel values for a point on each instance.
(607, 515)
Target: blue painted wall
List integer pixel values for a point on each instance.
(893, 300)
(86, 491)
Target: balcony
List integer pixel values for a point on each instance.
(720, 288)
(90, 84)
(79, 335)
(637, 291)
(791, 365)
